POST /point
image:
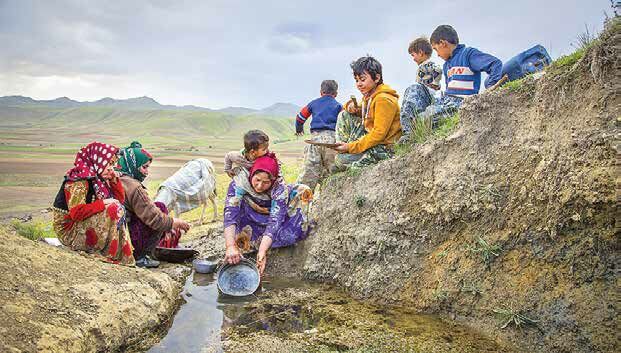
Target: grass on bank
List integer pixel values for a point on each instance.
(34, 230)
(487, 251)
(423, 131)
(509, 316)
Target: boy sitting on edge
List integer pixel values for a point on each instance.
(366, 134)
(256, 144)
(462, 72)
(428, 78)
(318, 160)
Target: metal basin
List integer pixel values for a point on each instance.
(239, 280)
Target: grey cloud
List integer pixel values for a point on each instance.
(252, 53)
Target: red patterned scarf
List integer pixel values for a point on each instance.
(90, 162)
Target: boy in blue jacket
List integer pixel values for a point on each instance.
(462, 72)
(319, 160)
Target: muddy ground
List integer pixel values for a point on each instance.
(322, 319)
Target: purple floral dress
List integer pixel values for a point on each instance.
(287, 221)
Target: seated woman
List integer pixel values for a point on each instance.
(148, 221)
(260, 206)
(88, 210)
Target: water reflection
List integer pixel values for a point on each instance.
(198, 325)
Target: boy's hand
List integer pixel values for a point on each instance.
(351, 109)
(341, 148)
(230, 173)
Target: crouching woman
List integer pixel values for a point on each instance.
(148, 221)
(88, 210)
(261, 209)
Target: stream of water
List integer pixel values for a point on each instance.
(324, 317)
(199, 321)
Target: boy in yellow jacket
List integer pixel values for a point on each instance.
(366, 134)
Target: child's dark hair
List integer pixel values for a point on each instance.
(370, 65)
(329, 87)
(254, 139)
(444, 32)
(419, 45)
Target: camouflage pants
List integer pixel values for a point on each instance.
(318, 161)
(350, 128)
(418, 103)
(416, 99)
(442, 108)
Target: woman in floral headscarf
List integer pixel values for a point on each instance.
(88, 210)
(148, 221)
(262, 211)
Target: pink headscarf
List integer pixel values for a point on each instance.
(268, 164)
(90, 162)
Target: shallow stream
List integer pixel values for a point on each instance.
(292, 316)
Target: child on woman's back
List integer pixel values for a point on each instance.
(256, 144)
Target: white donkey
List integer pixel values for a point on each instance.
(191, 186)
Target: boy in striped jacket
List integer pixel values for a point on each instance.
(319, 160)
(462, 72)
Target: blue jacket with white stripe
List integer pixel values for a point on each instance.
(462, 71)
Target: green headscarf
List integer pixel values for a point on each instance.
(132, 158)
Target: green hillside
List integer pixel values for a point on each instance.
(159, 127)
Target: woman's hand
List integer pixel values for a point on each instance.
(233, 255)
(110, 201)
(266, 244)
(341, 148)
(261, 261)
(180, 224)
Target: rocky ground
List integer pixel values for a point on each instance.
(56, 300)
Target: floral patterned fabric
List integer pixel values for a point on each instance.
(103, 233)
(286, 221)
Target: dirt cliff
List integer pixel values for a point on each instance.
(512, 217)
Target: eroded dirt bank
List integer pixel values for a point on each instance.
(514, 214)
(56, 300)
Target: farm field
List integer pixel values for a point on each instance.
(33, 161)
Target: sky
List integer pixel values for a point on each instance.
(254, 53)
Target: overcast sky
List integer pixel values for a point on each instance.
(253, 53)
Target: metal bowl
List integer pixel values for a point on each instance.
(239, 280)
(204, 266)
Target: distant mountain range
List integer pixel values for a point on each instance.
(147, 103)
